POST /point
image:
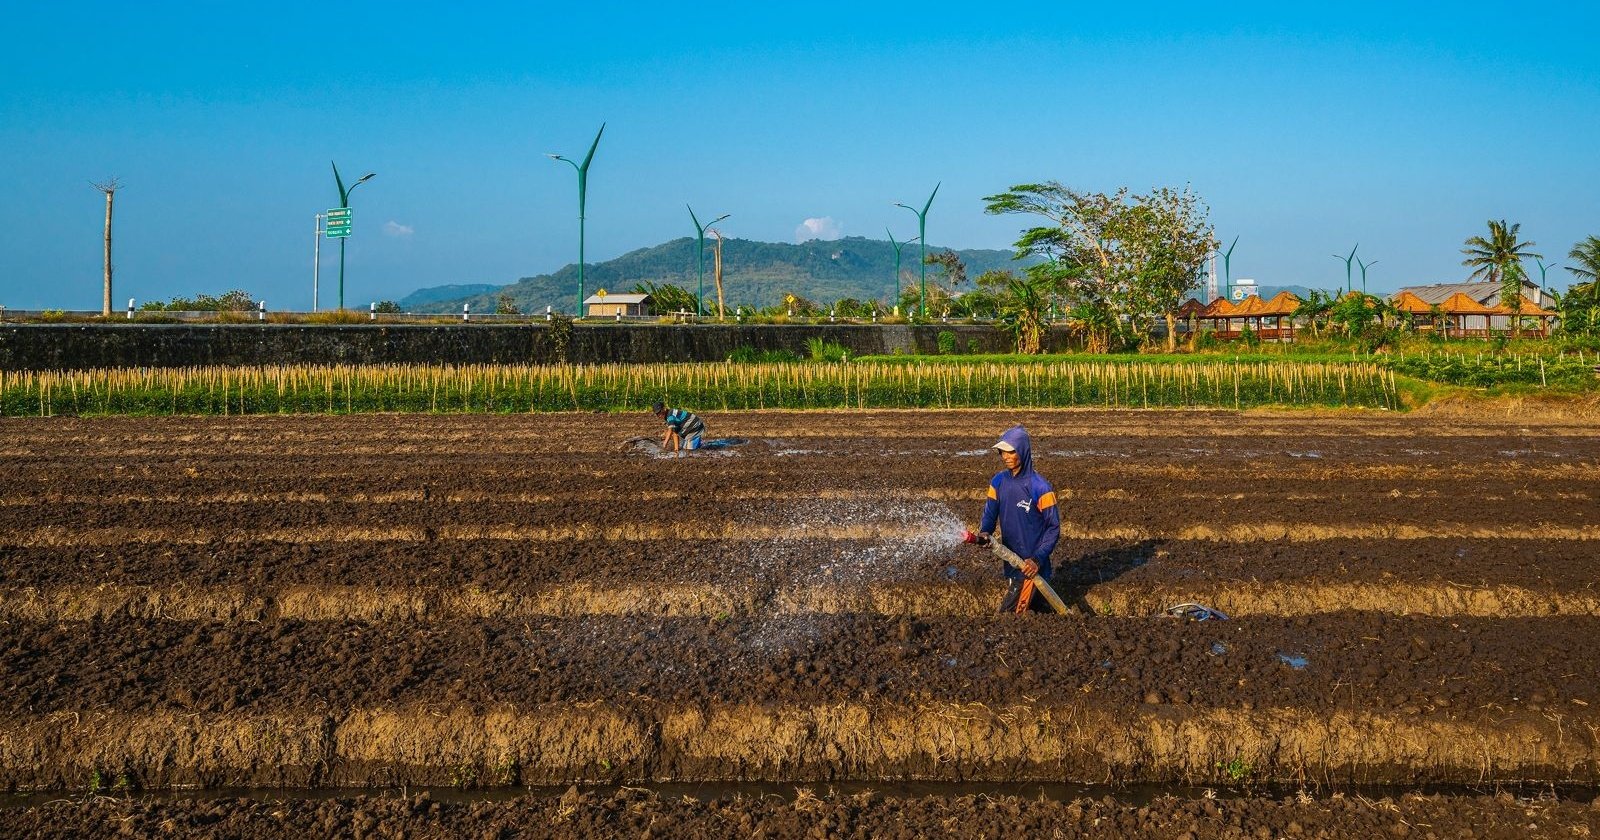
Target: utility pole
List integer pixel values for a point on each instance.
(109, 187)
(716, 271)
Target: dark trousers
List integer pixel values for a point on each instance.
(1038, 604)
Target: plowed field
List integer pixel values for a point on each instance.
(492, 601)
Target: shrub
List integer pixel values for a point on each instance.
(826, 351)
(947, 343)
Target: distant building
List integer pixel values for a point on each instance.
(610, 306)
(1487, 294)
(1473, 309)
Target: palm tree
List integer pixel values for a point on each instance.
(1587, 256)
(1498, 259)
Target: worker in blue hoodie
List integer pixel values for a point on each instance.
(1024, 506)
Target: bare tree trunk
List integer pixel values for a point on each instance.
(109, 187)
(716, 271)
(1172, 332)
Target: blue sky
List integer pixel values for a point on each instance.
(1399, 126)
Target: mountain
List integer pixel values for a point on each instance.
(420, 298)
(753, 274)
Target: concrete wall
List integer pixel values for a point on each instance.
(78, 346)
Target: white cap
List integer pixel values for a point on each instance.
(1004, 447)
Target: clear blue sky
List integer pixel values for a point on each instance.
(1401, 127)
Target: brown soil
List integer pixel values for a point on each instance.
(637, 813)
(383, 599)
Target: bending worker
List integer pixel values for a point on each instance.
(1024, 506)
(684, 428)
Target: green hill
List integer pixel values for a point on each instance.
(753, 274)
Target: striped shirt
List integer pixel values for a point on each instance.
(684, 422)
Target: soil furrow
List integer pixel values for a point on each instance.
(555, 743)
(632, 812)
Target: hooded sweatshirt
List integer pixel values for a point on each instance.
(1024, 505)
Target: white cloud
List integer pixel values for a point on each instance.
(397, 230)
(825, 228)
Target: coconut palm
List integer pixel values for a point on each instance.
(1498, 259)
(1490, 256)
(1587, 256)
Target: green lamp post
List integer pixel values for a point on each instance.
(1364, 267)
(1347, 260)
(897, 247)
(700, 259)
(583, 186)
(344, 203)
(1227, 270)
(922, 237)
(1542, 269)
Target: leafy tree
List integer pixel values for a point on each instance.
(506, 305)
(1356, 313)
(1314, 310)
(1136, 256)
(388, 307)
(668, 298)
(1580, 309)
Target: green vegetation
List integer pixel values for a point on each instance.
(237, 300)
(719, 386)
(1117, 261)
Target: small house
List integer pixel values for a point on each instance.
(601, 305)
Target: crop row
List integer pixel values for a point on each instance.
(342, 389)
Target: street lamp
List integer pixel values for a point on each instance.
(1364, 267)
(700, 259)
(1227, 271)
(583, 184)
(1347, 261)
(897, 247)
(344, 204)
(1542, 269)
(922, 235)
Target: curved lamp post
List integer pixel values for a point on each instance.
(1347, 261)
(922, 237)
(344, 202)
(1364, 267)
(1542, 269)
(700, 259)
(897, 247)
(583, 184)
(1227, 270)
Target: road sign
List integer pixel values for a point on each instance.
(338, 222)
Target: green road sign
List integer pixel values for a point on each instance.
(338, 222)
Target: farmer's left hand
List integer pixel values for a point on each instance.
(1030, 567)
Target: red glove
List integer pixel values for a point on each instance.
(1030, 567)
